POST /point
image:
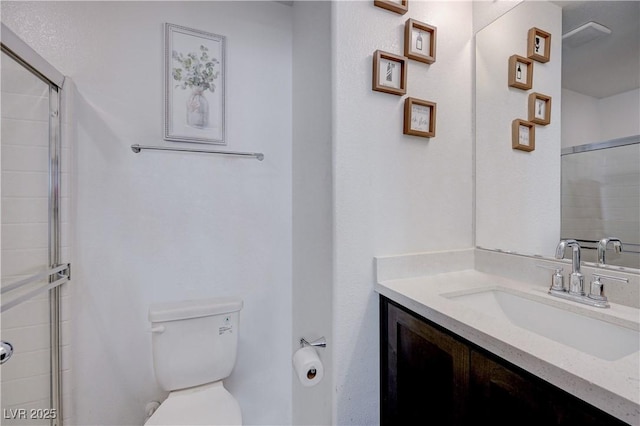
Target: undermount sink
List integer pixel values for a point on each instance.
(596, 337)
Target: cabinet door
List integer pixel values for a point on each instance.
(504, 395)
(424, 372)
(500, 396)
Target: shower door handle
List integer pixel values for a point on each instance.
(61, 274)
(6, 350)
(64, 268)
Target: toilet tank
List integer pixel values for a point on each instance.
(194, 341)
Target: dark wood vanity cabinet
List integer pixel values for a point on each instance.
(429, 376)
(424, 372)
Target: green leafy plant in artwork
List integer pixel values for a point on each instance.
(196, 72)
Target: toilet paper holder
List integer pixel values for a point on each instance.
(321, 342)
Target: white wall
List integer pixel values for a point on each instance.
(580, 122)
(586, 119)
(620, 115)
(159, 226)
(312, 201)
(517, 192)
(392, 193)
(485, 12)
(165, 226)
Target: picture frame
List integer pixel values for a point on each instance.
(194, 101)
(520, 72)
(398, 6)
(539, 108)
(419, 118)
(389, 73)
(538, 45)
(420, 41)
(523, 135)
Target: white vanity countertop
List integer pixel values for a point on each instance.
(613, 386)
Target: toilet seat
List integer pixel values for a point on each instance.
(209, 404)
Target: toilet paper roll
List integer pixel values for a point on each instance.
(308, 366)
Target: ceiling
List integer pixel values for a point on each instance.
(608, 65)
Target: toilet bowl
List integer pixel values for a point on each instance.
(194, 345)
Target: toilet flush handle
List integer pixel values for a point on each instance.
(158, 329)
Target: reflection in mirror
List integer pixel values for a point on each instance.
(601, 127)
(517, 191)
(519, 199)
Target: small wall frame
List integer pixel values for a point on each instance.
(420, 41)
(539, 108)
(520, 72)
(538, 45)
(398, 6)
(523, 135)
(389, 73)
(419, 118)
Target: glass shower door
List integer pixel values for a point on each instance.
(27, 320)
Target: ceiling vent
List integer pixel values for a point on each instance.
(584, 34)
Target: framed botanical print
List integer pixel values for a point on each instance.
(420, 41)
(419, 118)
(389, 73)
(194, 107)
(539, 108)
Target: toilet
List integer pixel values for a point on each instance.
(194, 345)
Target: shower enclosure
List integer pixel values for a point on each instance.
(601, 197)
(34, 222)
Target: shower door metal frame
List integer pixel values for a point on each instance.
(22, 53)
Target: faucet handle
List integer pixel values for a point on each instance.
(557, 282)
(596, 291)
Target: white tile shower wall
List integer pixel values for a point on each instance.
(601, 198)
(162, 226)
(25, 165)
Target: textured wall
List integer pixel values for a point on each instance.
(392, 193)
(166, 226)
(312, 201)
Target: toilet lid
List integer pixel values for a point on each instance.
(209, 404)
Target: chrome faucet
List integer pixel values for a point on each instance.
(575, 292)
(576, 283)
(602, 248)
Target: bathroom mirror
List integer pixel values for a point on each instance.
(583, 179)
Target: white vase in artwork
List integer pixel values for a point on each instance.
(197, 109)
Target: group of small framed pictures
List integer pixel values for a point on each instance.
(521, 77)
(390, 70)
